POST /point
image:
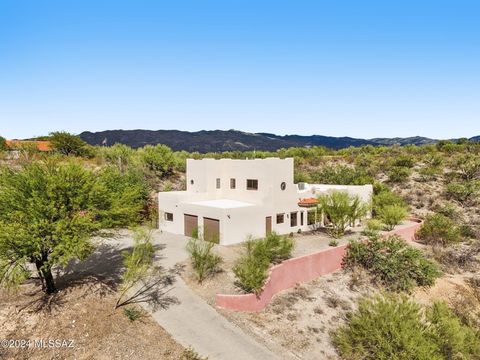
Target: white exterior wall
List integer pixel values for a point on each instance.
(237, 223)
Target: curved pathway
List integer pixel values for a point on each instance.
(194, 323)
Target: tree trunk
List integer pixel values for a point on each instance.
(49, 282)
(38, 264)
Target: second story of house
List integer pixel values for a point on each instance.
(256, 180)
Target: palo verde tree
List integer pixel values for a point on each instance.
(68, 144)
(48, 212)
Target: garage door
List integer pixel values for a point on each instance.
(211, 230)
(191, 225)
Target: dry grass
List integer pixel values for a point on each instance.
(83, 313)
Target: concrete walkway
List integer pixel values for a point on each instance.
(194, 323)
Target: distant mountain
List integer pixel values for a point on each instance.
(234, 140)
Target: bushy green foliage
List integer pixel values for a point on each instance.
(406, 161)
(341, 210)
(383, 196)
(392, 262)
(47, 214)
(399, 174)
(438, 229)
(3, 144)
(119, 155)
(121, 197)
(68, 144)
(392, 327)
(341, 175)
(251, 268)
(392, 215)
(158, 158)
(465, 192)
(372, 227)
(204, 261)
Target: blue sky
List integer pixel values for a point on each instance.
(341, 68)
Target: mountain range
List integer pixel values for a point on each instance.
(234, 140)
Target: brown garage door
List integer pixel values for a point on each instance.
(211, 230)
(191, 225)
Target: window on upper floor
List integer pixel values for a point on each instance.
(168, 216)
(252, 184)
(233, 183)
(280, 218)
(218, 183)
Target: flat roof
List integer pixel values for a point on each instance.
(223, 203)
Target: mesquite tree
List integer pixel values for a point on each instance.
(48, 212)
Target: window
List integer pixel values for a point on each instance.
(280, 218)
(233, 184)
(252, 184)
(311, 218)
(293, 219)
(168, 216)
(218, 183)
(283, 185)
(301, 218)
(191, 181)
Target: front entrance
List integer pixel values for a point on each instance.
(268, 225)
(211, 230)
(190, 225)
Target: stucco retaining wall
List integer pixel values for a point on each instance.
(299, 270)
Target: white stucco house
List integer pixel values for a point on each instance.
(230, 200)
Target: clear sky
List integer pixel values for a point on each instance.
(330, 67)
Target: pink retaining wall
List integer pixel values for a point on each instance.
(298, 270)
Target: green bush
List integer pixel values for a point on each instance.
(399, 174)
(438, 229)
(392, 327)
(341, 175)
(392, 215)
(158, 158)
(3, 144)
(406, 161)
(68, 144)
(464, 192)
(383, 197)
(391, 262)
(204, 261)
(251, 268)
(341, 210)
(372, 227)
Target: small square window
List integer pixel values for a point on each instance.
(280, 218)
(252, 184)
(218, 183)
(233, 183)
(168, 216)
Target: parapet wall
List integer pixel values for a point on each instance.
(299, 270)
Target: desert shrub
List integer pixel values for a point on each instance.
(3, 143)
(385, 197)
(438, 229)
(341, 175)
(204, 261)
(391, 262)
(251, 268)
(119, 154)
(392, 327)
(132, 313)
(333, 243)
(190, 354)
(464, 192)
(68, 144)
(399, 174)
(458, 257)
(392, 215)
(372, 227)
(406, 161)
(158, 158)
(342, 210)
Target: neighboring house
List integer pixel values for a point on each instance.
(230, 200)
(38, 145)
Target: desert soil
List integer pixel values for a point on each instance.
(82, 313)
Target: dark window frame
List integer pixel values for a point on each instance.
(218, 183)
(294, 219)
(280, 217)
(252, 184)
(168, 216)
(233, 183)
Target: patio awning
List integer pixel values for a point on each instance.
(308, 202)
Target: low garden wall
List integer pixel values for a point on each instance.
(299, 270)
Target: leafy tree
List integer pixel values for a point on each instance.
(392, 215)
(341, 210)
(47, 215)
(68, 144)
(158, 158)
(438, 229)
